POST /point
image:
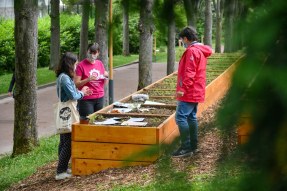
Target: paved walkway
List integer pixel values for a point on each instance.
(125, 83)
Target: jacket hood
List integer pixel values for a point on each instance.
(205, 49)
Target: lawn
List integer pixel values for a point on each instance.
(45, 75)
(13, 170)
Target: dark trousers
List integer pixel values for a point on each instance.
(64, 152)
(89, 106)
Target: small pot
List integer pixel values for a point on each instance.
(84, 120)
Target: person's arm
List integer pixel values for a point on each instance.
(79, 82)
(188, 78)
(106, 81)
(69, 89)
(11, 84)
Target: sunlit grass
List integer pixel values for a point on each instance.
(13, 170)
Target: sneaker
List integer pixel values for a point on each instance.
(195, 150)
(69, 171)
(182, 153)
(62, 176)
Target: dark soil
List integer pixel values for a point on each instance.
(164, 86)
(213, 144)
(169, 101)
(170, 80)
(159, 93)
(160, 111)
(151, 121)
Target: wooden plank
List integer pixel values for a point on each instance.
(166, 128)
(115, 134)
(90, 166)
(112, 151)
(217, 94)
(201, 108)
(245, 126)
(210, 88)
(241, 140)
(171, 137)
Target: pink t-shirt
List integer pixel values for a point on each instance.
(85, 69)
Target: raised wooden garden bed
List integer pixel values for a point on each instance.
(98, 147)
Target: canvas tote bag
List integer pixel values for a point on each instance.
(65, 114)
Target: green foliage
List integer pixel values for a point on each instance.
(7, 46)
(259, 90)
(162, 49)
(70, 27)
(13, 170)
(44, 76)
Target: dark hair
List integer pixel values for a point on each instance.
(93, 47)
(66, 64)
(190, 33)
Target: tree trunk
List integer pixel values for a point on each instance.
(208, 24)
(229, 12)
(126, 49)
(55, 51)
(26, 52)
(219, 15)
(84, 37)
(191, 9)
(235, 27)
(171, 37)
(102, 35)
(146, 28)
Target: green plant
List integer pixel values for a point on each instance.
(15, 169)
(162, 49)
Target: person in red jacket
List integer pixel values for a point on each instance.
(190, 90)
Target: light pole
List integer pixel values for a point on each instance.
(111, 81)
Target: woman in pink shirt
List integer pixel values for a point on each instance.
(91, 72)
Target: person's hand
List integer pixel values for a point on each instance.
(85, 90)
(88, 92)
(92, 77)
(106, 74)
(179, 94)
(9, 94)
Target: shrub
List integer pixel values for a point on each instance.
(162, 49)
(70, 27)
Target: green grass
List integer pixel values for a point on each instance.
(13, 170)
(121, 60)
(46, 76)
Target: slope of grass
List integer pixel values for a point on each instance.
(13, 170)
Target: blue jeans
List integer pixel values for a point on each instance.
(185, 118)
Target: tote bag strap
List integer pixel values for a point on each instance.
(60, 88)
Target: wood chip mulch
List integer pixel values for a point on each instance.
(213, 145)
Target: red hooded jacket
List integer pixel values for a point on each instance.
(192, 73)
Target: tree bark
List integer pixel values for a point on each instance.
(146, 28)
(26, 52)
(191, 9)
(219, 15)
(126, 49)
(84, 37)
(229, 13)
(208, 24)
(55, 51)
(102, 35)
(171, 36)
